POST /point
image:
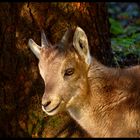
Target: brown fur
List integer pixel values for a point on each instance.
(114, 100)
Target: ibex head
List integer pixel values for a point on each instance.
(63, 68)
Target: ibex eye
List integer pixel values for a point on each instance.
(69, 71)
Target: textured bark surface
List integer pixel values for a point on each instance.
(21, 86)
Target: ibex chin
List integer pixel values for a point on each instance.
(104, 101)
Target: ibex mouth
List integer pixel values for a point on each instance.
(53, 110)
(54, 107)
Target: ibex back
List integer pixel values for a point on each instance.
(104, 101)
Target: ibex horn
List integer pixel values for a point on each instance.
(44, 42)
(67, 37)
(34, 47)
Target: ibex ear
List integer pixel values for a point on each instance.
(80, 43)
(34, 47)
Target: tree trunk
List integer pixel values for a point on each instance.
(8, 69)
(21, 85)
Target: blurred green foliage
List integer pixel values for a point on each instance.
(124, 19)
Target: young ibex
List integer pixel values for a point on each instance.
(104, 101)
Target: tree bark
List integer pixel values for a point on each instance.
(21, 85)
(8, 69)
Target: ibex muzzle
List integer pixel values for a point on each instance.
(104, 101)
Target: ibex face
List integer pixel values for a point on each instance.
(63, 68)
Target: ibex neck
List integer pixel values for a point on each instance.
(88, 108)
(81, 111)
